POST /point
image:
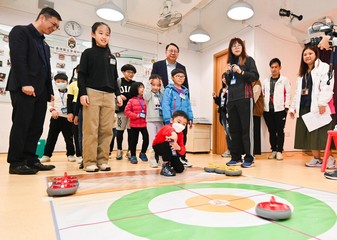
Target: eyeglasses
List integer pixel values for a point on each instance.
(179, 76)
(173, 51)
(237, 46)
(130, 72)
(55, 25)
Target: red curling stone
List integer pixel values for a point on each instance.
(273, 210)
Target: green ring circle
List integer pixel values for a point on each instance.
(310, 216)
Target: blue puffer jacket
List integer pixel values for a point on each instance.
(172, 101)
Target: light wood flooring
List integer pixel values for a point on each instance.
(25, 211)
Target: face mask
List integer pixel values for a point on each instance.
(178, 127)
(61, 86)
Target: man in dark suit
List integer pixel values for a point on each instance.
(164, 67)
(30, 87)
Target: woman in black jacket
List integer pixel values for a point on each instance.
(241, 71)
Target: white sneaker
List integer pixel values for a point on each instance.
(119, 155)
(91, 168)
(44, 159)
(272, 155)
(153, 163)
(279, 156)
(226, 154)
(79, 159)
(314, 163)
(71, 158)
(185, 162)
(104, 167)
(331, 163)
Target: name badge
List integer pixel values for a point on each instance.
(233, 81)
(112, 61)
(182, 96)
(142, 115)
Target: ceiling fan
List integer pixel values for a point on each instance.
(168, 18)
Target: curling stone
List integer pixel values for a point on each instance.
(65, 179)
(62, 186)
(273, 210)
(233, 171)
(210, 167)
(221, 169)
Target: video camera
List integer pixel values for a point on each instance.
(326, 26)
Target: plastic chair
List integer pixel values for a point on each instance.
(331, 135)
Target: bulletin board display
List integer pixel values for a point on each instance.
(65, 56)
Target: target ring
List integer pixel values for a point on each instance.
(134, 213)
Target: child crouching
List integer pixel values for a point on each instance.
(169, 143)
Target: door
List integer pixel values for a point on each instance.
(218, 136)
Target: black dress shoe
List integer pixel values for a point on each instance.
(22, 170)
(40, 167)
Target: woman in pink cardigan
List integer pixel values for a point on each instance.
(136, 111)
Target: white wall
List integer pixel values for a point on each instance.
(261, 45)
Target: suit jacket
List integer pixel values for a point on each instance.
(160, 68)
(28, 67)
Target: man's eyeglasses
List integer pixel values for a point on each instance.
(173, 51)
(55, 25)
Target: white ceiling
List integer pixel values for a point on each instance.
(143, 15)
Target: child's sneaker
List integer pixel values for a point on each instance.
(71, 158)
(44, 159)
(272, 155)
(185, 162)
(79, 159)
(91, 168)
(128, 155)
(153, 163)
(279, 156)
(234, 162)
(143, 157)
(119, 155)
(331, 163)
(247, 164)
(226, 154)
(314, 163)
(133, 160)
(104, 167)
(167, 171)
(331, 175)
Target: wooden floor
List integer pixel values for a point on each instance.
(25, 211)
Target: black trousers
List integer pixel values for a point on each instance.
(275, 122)
(119, 137)
(27, 126)
(134, 134)
(114, 134)
(56, 126)
(164, 150)
(257, 135)
(240, 113)
(78, 149)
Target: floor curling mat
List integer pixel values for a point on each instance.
(209, 209)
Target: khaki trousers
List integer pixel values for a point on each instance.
(98, 120)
